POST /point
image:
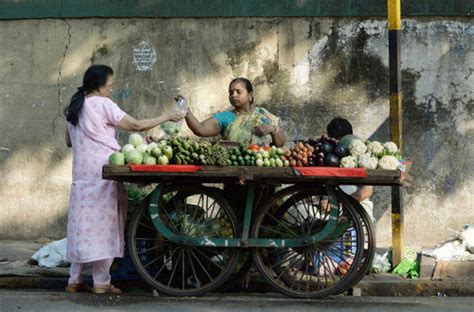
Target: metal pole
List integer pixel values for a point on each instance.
(394, 26)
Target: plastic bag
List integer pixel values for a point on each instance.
(172, 129)
(381, 263)
(467, 236)
(52, 255)
(449, 251)
(458, 248)
(409, 266)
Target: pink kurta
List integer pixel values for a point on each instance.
(95, 228)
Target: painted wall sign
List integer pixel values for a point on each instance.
(144, 56)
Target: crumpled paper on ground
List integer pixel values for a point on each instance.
(459, 248)
(52, 255)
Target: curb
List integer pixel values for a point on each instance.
(416, 288)
(391, 288)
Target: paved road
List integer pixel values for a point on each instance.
(60, 301)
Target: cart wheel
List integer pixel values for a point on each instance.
(240, 273)
(369, 240)
(176, 269)
(324, 268)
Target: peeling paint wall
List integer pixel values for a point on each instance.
(307, 70)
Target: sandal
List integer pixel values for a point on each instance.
(110, 289)
(80, 287)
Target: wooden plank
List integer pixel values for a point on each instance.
(261, 174)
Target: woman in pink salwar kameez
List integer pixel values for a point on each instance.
(95, 229)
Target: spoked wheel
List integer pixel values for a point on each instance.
(177, 269)
(325, 268)
(240, 274)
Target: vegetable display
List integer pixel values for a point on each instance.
(349, 152)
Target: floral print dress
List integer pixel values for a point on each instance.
(95, 228)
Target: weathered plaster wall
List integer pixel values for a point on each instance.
(307, 70)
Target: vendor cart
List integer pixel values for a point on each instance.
(308, 239)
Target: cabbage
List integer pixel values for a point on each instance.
(134, 157)
(142, 148)
(135, 139)
(149, 160)
(117, 158)
(127, 148)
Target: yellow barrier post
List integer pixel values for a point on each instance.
(394, 26)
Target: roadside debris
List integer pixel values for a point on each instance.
(52, 255)
(458, 248)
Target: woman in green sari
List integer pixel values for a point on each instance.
(245, 123)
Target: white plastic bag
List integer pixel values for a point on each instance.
(458, 248)
(467, 236)
(381, 263)
(52, 255)
(449, 251)
(171, 128)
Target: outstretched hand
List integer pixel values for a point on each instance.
(176, 116)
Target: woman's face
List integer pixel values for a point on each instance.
(239, 97)
(106, 90)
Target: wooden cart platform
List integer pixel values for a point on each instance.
(262, 174)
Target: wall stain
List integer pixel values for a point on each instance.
(236, 57)
(100, 52)
(360, 67)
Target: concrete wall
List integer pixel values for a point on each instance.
(307, 70)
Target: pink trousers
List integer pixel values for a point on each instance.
(100, 272)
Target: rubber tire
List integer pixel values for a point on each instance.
(134, 223)
(345, 283)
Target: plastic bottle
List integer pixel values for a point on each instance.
(181, 105)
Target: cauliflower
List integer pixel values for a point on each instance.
(349, 162)
(391, 147)
(368, 161)
(375, 148)
(357, 147)
(389, 162)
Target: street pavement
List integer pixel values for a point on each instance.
(41, 300)
(446, 279)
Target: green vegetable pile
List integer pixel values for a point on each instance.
(179, 151)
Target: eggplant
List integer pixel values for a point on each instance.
(341, 151)
(327, 148)
(331, 160)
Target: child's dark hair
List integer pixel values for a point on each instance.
(338, 127)
(95, 77)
